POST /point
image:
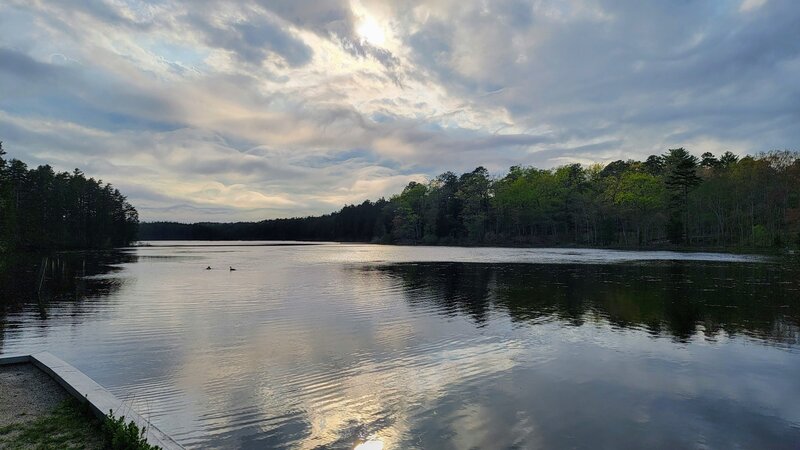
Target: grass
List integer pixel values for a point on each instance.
(69, 426)
(72, 426)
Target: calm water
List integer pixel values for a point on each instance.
(332, 346)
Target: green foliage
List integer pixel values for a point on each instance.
(654, 165)
(728, 159)
(752, 201)
(124, 436)
(680, 177)
(42, 209)
(473, 192)
(709, 160)
(760, 236)
(409, 214)
(640, 192)
(681, 171)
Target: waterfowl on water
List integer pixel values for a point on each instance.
(208, 268)
(231, 268)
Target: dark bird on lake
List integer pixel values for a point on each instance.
(208, 268)
(231, 268)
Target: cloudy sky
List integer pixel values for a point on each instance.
(251, 109)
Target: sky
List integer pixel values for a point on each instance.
(204, 110)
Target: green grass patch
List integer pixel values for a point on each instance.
(69, 426)
(72, 426)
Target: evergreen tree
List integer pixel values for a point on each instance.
(728, 159)
(709, 161)
(654, 165)
(474, 195)
(41, 209)
(681, 177)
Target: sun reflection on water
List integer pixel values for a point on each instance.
(372, 444)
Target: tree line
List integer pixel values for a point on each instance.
(673, 199)
(41, 209)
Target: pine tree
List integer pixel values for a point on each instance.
(681, 177)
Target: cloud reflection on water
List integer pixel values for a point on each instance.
(338, 345)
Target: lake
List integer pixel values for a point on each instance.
(340, 345)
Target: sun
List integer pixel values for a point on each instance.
(370, 31)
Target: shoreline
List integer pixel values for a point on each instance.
(665, 248)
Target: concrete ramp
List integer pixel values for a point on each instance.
(101, 401)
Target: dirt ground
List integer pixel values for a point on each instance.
(27, 393)
(35, 412)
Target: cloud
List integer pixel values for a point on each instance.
(21, 65)
(749, 5)
(252, 39)
(252, 109)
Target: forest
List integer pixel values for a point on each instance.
(671, 200)
(44, 210)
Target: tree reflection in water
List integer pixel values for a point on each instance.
(36, 283)
(679, 299)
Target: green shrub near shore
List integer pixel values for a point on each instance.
(125, 436)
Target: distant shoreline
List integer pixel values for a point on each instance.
(261, 244)
(291, 243)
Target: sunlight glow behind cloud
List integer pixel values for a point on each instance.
(295, 107)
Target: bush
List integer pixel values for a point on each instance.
(760, 236)
(122, 436)
(429, 239)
